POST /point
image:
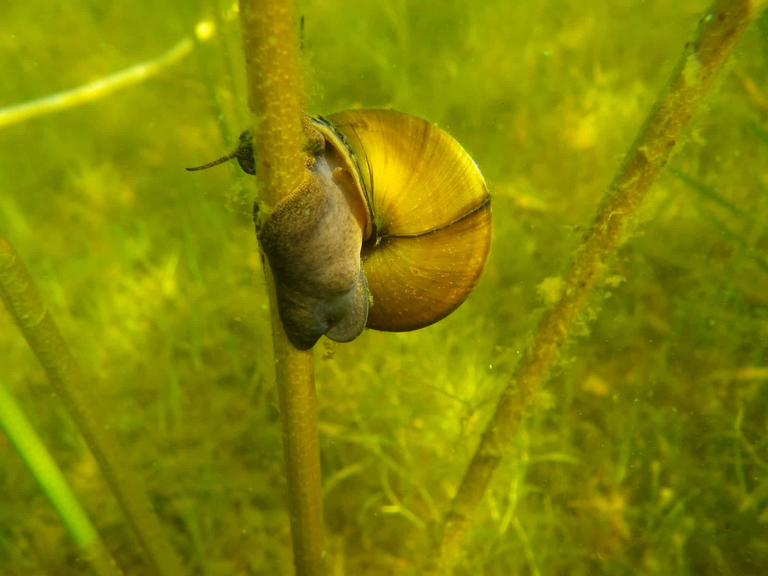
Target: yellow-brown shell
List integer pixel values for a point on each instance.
(428, 234)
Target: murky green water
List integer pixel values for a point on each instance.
(647, 452)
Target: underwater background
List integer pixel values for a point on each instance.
(647, 450)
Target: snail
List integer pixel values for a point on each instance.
(390, 228)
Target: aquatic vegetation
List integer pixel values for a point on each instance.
(644, 454)
(15, 424)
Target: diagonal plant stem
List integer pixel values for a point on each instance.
(94, 90)
(52, 482)
(271, 59)
(719, 30)
(36, 324)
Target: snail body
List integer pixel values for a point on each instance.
(390, 228)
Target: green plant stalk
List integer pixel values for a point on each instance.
(272, 72)
(27, 443)
(271, 59)
(36, 324)
(703, 58)
(94, 90)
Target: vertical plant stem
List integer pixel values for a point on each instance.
(301, 451)
(272, 69)
(719, 30)
(36, 324)
(271, 58)
(27, 443)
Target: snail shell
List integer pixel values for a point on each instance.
(390, 228)
(429, 214)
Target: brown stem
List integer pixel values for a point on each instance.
(702, 60)
(92, 419)
(271, 66)
(271, 59)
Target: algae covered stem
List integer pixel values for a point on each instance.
(720, 28)
(30, 314)
(271, 60)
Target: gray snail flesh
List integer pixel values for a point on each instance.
(312, 240)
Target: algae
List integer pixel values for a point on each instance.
(648, 453)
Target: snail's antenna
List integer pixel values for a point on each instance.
(214, 163)
(301, 35)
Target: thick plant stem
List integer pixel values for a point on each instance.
(702, 60)
(272, 69)
(294, 370)
(53, 484)
(36, 324)
(269, 41)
